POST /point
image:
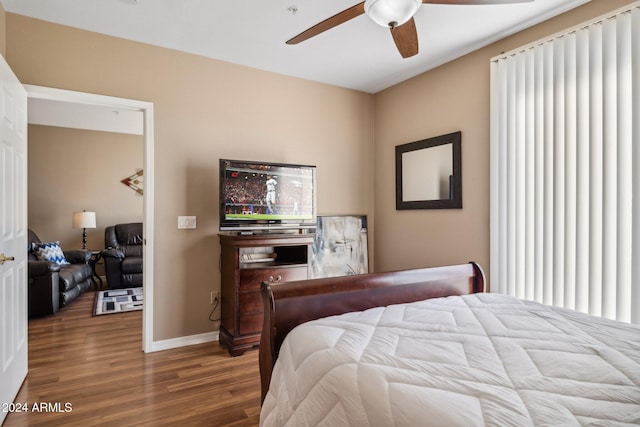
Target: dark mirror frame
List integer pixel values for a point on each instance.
(455, 202)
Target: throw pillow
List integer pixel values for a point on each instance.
(50, 251)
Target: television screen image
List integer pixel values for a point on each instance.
(266, 192)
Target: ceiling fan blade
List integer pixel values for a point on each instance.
(472, 2)
(327, 24)
(406, 38)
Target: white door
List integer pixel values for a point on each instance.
(13, 236)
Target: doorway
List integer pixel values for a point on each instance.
(99, 112)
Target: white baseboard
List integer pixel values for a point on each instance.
(184, 341)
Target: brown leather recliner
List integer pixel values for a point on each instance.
(123, 255)
(52, 285)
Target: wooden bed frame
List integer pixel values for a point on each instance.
(289, 304)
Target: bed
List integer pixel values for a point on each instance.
(427, 347)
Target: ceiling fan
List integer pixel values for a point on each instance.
(397, 15)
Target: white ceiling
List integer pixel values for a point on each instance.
(357, 54)
(84, 116)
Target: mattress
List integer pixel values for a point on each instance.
(481, 359)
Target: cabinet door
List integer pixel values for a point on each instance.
(251, 302)
(250, 299)
(251, 324)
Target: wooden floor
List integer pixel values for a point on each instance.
(95, 366)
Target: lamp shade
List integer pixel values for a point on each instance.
(84, 219)
(391, 13)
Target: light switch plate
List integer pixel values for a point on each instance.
(186, 222)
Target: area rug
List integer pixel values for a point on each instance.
(118, 301)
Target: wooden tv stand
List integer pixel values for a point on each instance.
(247, 261)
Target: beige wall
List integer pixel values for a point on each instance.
(452, 97)
(71, 170)
(204, 110)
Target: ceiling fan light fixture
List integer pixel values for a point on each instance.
(391, 13)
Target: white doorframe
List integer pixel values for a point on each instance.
(52, 94)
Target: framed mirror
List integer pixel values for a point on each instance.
(429, 173)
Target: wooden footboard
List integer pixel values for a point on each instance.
(289, 304)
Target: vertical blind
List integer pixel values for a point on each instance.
(565, 169)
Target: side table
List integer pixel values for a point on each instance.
(95, 257)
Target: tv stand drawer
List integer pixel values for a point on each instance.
(252, 278)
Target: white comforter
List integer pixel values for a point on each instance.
(483, 359)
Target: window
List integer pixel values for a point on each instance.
(565, 169)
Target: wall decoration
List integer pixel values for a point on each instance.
(429, 173)
(340, 247)
(135, 182)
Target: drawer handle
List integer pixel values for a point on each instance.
(277, 279)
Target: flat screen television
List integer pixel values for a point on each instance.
(266, 196)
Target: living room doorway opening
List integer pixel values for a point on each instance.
(80, 110)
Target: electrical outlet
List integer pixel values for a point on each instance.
(215, 298)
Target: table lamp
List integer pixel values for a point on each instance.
(84, 220)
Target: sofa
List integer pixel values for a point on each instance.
(123, 255)
(55, 283)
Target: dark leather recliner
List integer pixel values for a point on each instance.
(52, 285)
(123, 255)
